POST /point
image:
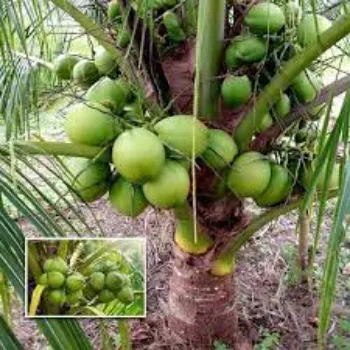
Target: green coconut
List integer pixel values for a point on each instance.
(170, 188)
(97, 281)
(56, 264)
(282, 107)
(115, 280)
(113, 10)
(265, 18)
(89, 179)
(138, 155)
(75, 281)
(265, 123)
(184, 134)
(280, 186)
(75, 297)
(125, 295)
(310, 27)
(105, 296)
(56, 297)
(236, 90)
(292, 13)
(106, 62)
(250, 175)
(127, 198)
(245, 49)
(55, 279)
(306, 87)
(43, 279)
(85, 73)
(173, 26)
(109, 93)
(127, 88)
(91, 124)
(221, 149)
(63, 66)
(124, 38)
(307, 174)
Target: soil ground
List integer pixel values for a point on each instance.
(275, 310)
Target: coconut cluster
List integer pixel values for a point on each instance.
(63, 285)
(104, 284)
(262, 45)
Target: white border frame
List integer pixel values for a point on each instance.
(75, 238)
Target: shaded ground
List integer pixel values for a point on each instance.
(272, 308)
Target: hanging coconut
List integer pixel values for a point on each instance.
(127, 198)
(250, 175)
(90, 179)
(170, 188)
(138, 155)
(236, 90)
(221, 149)
(278, 189)
(91, 124)
(184, 134)
(63, 66)
(85, 73)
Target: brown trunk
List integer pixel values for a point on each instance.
(201, 306)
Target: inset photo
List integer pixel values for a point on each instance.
(104, 277)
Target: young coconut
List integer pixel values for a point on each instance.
(56, 264)
(56, 297)
(74, 297)
(106, 62)
(55, 279)
(90, 179)
(97, 281)
(138, 155)
(109, 93)
(125, 295)
(115, 280)
(280, 186)
(91, 124)
(127, 198)
(63, 66)
(282, 107)
(85, 73)
(236, 90)
(265, 18)
(250, 175)
(221, 149)
(245, 49)
(173, 26)
(75, 281)
(105, 296)
(311, 27)
(307, 174)
(170, 188)
(180, 131)
(113, 11)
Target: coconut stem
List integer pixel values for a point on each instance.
(63, 149)
(225, 262)
(190, 241)
(283, 79)
(210, 39)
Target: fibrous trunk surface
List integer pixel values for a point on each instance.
(201, 306)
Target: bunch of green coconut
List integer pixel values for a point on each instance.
(270, 36)
(104, 284)
(161, 11)
(63, 286)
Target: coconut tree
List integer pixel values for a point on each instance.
(232, 99)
